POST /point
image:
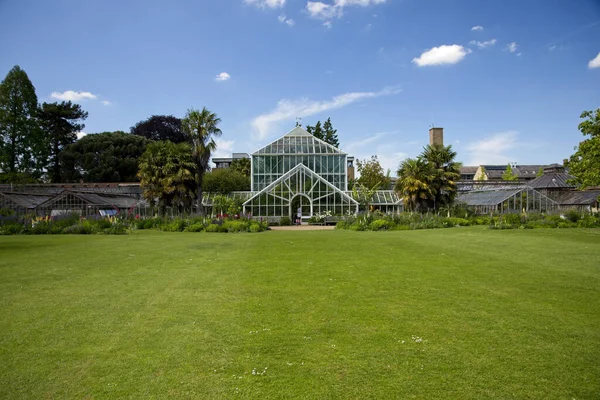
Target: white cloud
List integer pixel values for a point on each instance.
(285, 20)
(492, 149)
(477, 28)
(327, 24)
(379, 144)
(81, 134)
(288, 110)
(445, 54)
(266, 3)
(224, 148)
(223, 76)
(512, 47)
(106, 102)
(320, 10)
(71, 95)
(595, 62)
(483, 45)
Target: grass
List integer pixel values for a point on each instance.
(463, 313)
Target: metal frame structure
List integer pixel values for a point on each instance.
(507, 201)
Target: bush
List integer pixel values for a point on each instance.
(453, 221)
(285, 221)
(12, 229)
(572, 216)
(77, 229)
(215, 228)
(196, 227)
(235, 226)
(380, 225)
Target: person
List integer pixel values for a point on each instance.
(299, 219)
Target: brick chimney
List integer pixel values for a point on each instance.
(436, 136)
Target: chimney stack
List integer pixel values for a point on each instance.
(436, 136)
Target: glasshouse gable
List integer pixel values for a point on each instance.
(300, 171)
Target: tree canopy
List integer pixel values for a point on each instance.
(60, 123)
(160, 127)
(102, 157)
(325, 133)
(225, 181)
(509, 174)
(21, 144)
(584, 165)
(372, 175)
(241, 165)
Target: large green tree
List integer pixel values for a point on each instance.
(429, 181)
(584, 165)
(509, 174)
(372, 175)
(325, 133)
(60, 123)
(225, 181)
(103, 157)
(20, 141)
(201, 128)
(241, 165)
(167, 175)
(160, 127)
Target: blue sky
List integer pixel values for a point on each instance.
(507, 80)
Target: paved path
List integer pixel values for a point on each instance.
(303, 228)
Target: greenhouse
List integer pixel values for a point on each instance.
(507, 200)
(300, 171)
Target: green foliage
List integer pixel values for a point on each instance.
(160, 128)
(59, 123)
(21, 142)
(326, 133)
(102, 157)
(225, 181)
(216, 228)
(509, 174)
(584, 165)
(6, 212)
(167, 175)
(372, 175)
(285, 221)
(241, 165)
(429, 181)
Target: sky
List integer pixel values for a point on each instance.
(506, 79)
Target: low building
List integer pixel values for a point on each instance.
(225, 162)
(554, 182)
(495, 172)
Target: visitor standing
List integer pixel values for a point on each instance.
(299, 219)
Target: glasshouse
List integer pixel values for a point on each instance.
(300, 171)
(507, 200)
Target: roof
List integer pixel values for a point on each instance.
(552, 180)
(382, 198)
(298, 141)
(522, 171)
(580, 197)
(26, 200)
(469, 169)
(97, 199)
(495, 197)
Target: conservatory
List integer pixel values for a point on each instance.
(516, 199)
(300, 171)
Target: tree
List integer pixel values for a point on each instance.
(241, 165)
(160, 127)
(415, 176)
(325, 133)
(103, 157)
(201, 128)
(509, 174)
(225, 181)
(20, 141)
(60, 123)
(540, 172)
(584, 165)
(429, 181)
(167, 175)
(372, 175)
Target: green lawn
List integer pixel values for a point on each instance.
(462, 313)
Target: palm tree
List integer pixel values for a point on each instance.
(201, 128)
(168, 175)
(446, 173)
(414, 183)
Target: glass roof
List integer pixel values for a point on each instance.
(298, 141)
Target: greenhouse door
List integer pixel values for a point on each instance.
(301, 201)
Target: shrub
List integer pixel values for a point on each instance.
(118, 228)
(572, 216)
(12, 229)
(215, 228)
(235, 226)
(196, 227)
(453, 221)
(285, 221)
(380, 225)
(77, 229)
(255, 228)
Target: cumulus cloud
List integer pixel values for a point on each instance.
(595, 62)
(327, 24)
(483, 45)
(223, 76)
(285, 20)
(512, 47)
(445, 54)
(224, 148)
(477, 28)
(492, 149)
(81, 134)
(287, 110)
(266, 3)
(320, 10)
(106, 102)
(71, 95)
